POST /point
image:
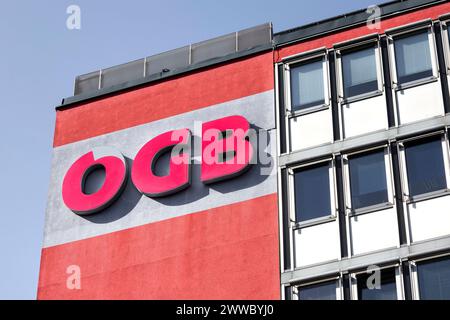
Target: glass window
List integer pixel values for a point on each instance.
(319, 291)
(413, 57)
(307, 87)
(368, 184)
(312, 192)
(359, 72)
(434, 279)
(386, 291)
(425, 166)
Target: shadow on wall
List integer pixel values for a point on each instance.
(256, 174)
(123, 205)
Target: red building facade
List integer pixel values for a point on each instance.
(236, 238)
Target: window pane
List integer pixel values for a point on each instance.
(434, 279)
(413, 57)
(307, 88)
(368, 179)
(312, 192)
(320, 291)
(359, 72)
(387, 290)
(425, 166)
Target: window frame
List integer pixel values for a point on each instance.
(404, 173)
(445, 42)
(355, 45)
(399, 281)
(410, 30)
(337, 279)
(350, 212)
(333, 194)
(414, 274)
(304, 58)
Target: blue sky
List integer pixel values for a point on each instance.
(39, 59)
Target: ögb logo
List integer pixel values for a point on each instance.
(225, 153)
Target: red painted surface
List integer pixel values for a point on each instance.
(212, 146)
(332, 39)
(72, 188)
(230, 252)
(179, 167)
(172, 97)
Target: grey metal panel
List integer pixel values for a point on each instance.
(122, 73)
(170, 60)
(217, 47)
(87, 82)
(253, 37)
(362, 261)
(368, 139)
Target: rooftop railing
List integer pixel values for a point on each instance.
(175, 59)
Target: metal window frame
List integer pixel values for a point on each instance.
(281, 110)
(288, 62)
(390, 255)
(411, 29)
(441, 27)
(349, 211)
(280, 190)
(394, 33)
(339, 286)
(399, 282)
(333, 195)
(414, 274)
(445, 42)
(355, 44)
(304, 59)
(407, 198)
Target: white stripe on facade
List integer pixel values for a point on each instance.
(133, 209)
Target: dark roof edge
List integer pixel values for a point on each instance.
(347, 20)
(70, 101)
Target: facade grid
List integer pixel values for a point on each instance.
(365, 170)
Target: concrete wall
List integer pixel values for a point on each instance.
(206, 242)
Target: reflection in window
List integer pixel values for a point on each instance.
(359, 72)
(413, 57)
(386, 291)
(368, 184)
(425, 166)
(312, 192)
(434, 279)
(307, 87)
(319, 291)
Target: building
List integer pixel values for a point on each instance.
(352, 113)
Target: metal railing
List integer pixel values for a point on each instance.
(175, 59)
